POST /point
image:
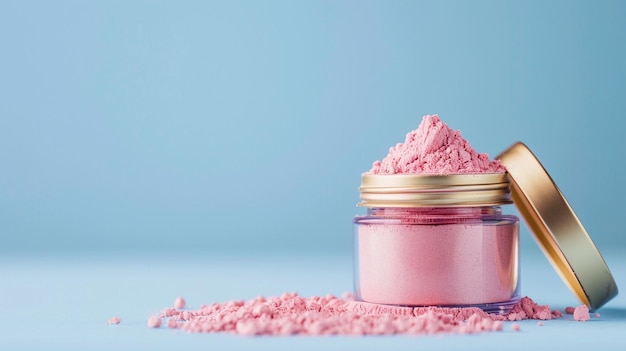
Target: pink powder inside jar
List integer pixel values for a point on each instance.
(459, 262)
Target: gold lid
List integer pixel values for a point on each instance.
(556, 227)
(418, 190)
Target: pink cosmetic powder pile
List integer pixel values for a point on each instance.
(291, 314)
(434, 148)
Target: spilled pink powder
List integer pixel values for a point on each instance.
(172, 324)
(291, 314)
(179, 302)
(581, 313)
(154, 322)
(526, 308)
(434, 148)
(114, 320)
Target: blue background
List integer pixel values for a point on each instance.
(243, 126)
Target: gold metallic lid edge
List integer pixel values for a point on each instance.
(559, 232)
(427, 190)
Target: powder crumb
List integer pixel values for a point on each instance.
(540, 324)
(581, 313)
(434, 148)
(114, 320)
(569, 310)
(526, 308)
(515, 327)
(291, 314)
(597, 315)
(179, 303)
(154, 322)
(348, 296)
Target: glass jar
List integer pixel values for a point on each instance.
(437, 240)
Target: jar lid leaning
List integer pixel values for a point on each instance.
(559, 232)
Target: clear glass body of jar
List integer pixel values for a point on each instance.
(438, 256)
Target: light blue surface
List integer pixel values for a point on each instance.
(64, 303)
(243, 126)
(150, 149)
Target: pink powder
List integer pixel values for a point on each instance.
(456, 263)
(515, 327)
(154, 322)
(569, 310)
(526, 308)
(114, 320)
(581, 313)
(292, 314)
(179, 303)
(434, 148)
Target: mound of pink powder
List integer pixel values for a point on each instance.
(434, 148)
(292, 314)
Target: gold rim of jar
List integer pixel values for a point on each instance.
(434, 190)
